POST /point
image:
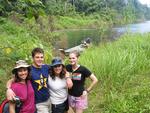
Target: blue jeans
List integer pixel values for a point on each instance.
(60, 108)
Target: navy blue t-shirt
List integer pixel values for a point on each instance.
(39, 79)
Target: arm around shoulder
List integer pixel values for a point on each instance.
(9, 93)
(9, 82)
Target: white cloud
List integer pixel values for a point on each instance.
(145, 2)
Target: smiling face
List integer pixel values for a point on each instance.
(22, 73)
(57, 69)
(38, 59)
(73, 59)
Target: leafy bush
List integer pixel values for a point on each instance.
(17, 42)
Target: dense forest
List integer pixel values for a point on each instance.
(130, 10)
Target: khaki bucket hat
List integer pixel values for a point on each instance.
(19, 64)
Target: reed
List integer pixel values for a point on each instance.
(122, 68)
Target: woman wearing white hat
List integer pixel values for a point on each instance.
(22, 88)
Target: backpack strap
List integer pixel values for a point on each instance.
(2, 105)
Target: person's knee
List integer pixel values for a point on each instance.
(79, 111)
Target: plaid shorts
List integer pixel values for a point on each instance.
(78, 102)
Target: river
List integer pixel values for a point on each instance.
(74, 37)
(134, 28)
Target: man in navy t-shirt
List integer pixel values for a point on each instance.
(39, 79)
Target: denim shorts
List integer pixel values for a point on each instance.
(60, 108)
(78, 102)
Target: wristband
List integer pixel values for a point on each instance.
(67, 77)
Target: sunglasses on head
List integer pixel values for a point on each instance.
(57, 65)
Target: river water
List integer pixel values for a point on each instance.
(134, 28)
(74, 37)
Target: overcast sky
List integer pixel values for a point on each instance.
(145, 2)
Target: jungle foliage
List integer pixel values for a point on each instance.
(111, 9)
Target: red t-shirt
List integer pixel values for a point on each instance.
(26, 94)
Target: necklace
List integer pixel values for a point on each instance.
(75, 68)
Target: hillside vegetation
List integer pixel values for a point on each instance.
(123, 71)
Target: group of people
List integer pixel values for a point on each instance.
(49, 88)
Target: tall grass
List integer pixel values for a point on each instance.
(64, 22)
(122, 68)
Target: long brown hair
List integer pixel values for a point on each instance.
(62, 73)
(17, 78)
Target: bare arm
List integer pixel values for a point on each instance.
(9, 93)
(9, 82)
(94, 81)
(11, 107)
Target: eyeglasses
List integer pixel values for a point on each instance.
(57, 66)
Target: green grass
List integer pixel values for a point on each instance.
(122, 68)
(17, 41)
(75, 22)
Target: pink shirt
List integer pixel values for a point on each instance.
(26, 93)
